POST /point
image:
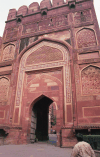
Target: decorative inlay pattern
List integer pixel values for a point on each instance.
(85, 38)
(79, 95)
(44, 54)
(90, 80)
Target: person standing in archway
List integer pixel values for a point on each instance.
(82, 149)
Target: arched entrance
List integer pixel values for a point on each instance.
(39, 119)
(44, 70)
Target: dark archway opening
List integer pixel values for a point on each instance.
(3, 133)
(41, 110)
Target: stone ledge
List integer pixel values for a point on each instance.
(5, 70)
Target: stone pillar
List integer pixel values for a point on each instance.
(68, 138)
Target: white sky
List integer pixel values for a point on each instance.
(5, 5)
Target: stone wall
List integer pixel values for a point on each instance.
(51, 49)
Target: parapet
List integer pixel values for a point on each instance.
(12, 14)
(22, 10)
(58, 3)
(34, 7)
(45, 4)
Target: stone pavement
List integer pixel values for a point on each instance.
(40, 149)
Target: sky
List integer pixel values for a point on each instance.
(5, 5)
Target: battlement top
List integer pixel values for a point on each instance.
(44, 4)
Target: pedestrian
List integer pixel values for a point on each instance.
(82, 149)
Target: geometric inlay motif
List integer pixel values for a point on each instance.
(8, 52)
(90, 80)
(44, 54)
(86, 38)
(4, 87)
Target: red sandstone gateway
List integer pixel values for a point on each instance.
(50, 72)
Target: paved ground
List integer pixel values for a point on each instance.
(52, 139)
(40, 149)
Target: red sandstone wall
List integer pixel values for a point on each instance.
(75, 28)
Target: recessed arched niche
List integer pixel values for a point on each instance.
(90, 77)
(4, 88)
(8, 52)
(86, 38)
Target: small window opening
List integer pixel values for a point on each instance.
(51, 20)
(44, 13)
(66, 16)
(58, 3)
(72, 6)
(81, 13)
(18, 20)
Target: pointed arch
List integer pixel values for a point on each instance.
(90, 77)
(8, 52)
(24, 69)
(38, 98)
(86, 38)
(59, 42)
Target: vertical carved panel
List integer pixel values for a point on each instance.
(4, 88)
(90, 80)
(86, 38)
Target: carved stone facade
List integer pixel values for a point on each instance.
(50, 56)
(86, 38)
(4, 89)
(90, 80)
(82, 16)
